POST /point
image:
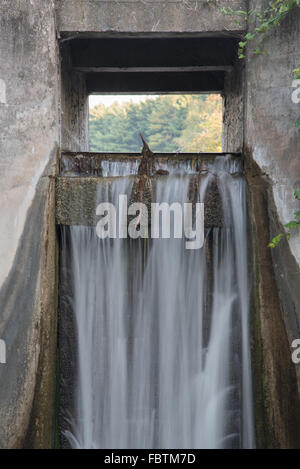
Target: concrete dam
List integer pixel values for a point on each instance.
(112, 336)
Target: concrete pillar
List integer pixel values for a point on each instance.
(29, 140)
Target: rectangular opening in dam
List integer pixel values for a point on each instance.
(155, 63)
(180, 123)
(191, 67)
(154, 341)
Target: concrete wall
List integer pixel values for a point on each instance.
(270, 133)
(233, 109)
(259, 117)
(74, 105)
(30, 114)
(29, 139)
(146, 16)
(272, 150)
(43, 107)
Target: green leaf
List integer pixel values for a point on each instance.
(297, 123)
(296, 72)
(297, 194)
(297, 214)
(265, 20)
(292, 224)
(276, 240)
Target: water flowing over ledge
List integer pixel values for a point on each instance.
(161, 357)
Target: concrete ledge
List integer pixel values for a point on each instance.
(77, 198)
(75, 164)
(148, 16)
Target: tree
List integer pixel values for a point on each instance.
(169, 123)
(203, 125)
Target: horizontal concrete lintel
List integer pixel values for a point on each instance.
(203, 68)
(78, 164)
(144, 16)
(132, 155)
(153, 52)
(164, 82)
(66, 36)
(77, 198)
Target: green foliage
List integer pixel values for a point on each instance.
(290, 226)
(263, 20)
(276, 241)
(297, 194)
(203, 125)
(169, 123)
(297, 72)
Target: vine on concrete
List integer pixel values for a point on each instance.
(291, 225)
(265, 21)
(294, 223)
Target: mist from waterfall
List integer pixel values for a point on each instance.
(162, 333)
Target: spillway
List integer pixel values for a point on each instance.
(160, 334)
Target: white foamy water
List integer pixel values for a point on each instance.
(162, 332)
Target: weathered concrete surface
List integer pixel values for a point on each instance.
(147, 16)
(75, 164)
(30, 117)
(41, 431)
(270, 132)
(28, 325)
(28, 151)
(29, 113)
(272, 146)
(276, 398)
(74, 106)
(77, 198)
(233, 109)
(68, 352)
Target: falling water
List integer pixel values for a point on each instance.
(163, 355)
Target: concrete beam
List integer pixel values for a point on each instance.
(84, 164)
(166, 82)
(142, 16)
(156, 53)
(74, 193)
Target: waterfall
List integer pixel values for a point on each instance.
(161, 332)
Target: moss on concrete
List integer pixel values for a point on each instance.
(77, 198)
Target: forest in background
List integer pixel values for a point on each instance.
(170, 123)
